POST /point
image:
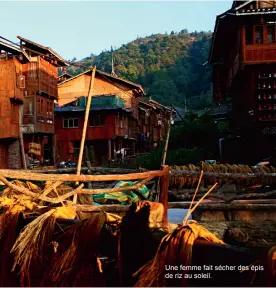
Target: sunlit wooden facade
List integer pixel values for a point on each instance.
(41, 91)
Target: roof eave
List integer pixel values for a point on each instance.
(221, 16)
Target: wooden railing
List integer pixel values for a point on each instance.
(58, 179)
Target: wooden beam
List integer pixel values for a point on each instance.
(103, 170)
(228, 176)
(30, 176)
(225, 207)
(87, 110)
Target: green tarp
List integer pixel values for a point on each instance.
(103, 101)
(124, 197)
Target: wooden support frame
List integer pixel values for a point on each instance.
(31, 176)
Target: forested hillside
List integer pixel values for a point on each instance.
(170, 67)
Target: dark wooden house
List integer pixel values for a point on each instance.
(12, 87)
(152, 125)
(41, 91)
(243, 57)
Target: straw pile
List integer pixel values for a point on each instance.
(44, 253)
(76, 262)
(175, 249)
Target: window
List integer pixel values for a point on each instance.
(259, 35)
(49, 112)
(20, 81)
(97, 120)
(70, 122)
(249, 35)
(270, 34)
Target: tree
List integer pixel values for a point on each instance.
(184, 31)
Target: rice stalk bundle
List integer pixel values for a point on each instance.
(77, 262)
(9, 230)
(190, 182)
(31, 247)
(271, 267)
(8, 235)
(175, 249)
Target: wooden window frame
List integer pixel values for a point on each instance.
(264, 36)
(255, 34)
(67, 119)
(267, 26)
(97, 120)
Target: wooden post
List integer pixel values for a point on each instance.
(109, 149)
(87, 110)
(167, 141)
(54, 143)
(164, 186)
(164, 155)
(21, 137)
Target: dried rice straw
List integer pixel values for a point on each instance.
(175, 249)
(78, 263)
(32, 244)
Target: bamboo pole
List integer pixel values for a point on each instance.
(30, 176)
(87, 110)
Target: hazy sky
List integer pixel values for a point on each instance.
(79, 28)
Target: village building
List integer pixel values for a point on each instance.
(243, 57)
(11, 103)
(29, 78)
(119, 117)
(38, 124)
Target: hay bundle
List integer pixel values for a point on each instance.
(32, 245)
(9, 230)
(76, 262)
(272, 267)
(175, 249)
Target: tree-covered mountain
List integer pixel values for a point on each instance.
(169, 66)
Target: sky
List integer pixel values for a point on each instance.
(79, 28)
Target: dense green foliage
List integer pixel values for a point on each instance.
(170, 67)
(196, 139)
